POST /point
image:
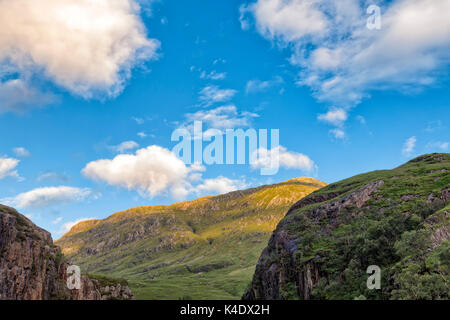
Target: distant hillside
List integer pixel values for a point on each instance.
(201, 249)
(396, 219)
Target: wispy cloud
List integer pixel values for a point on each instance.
(53, 176)
(225, 117)
(7, 167)
(21, 152)
(124, 146)
(257, 85)
(48, 196)
(18, 96)
(439, 145)
(338, 133)
(212, 94)
(341, 60)
(335, 117)
(213, 75)
(409, 145)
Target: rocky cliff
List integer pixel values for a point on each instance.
(396, 219)
(33, 268)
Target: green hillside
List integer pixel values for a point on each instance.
(201, 249)
(396, 219)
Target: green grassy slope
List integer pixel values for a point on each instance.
(201, 249)
(396, 219)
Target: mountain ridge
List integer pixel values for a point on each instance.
(307, 181)
(155, 247)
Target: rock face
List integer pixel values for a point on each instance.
(396, 219)
(33, 268)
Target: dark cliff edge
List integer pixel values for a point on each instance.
(396, 219)
(33, 268)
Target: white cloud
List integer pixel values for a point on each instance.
(48, 196)
(220, 60)
(138, 120)
(68, 225)
(213, 75)
(361, 119)
(443, 146)
(151, 171)
(21, 152)
(88, 47)
(225, 117)
(286, 20)
(7, 166)
(335, 116)
(434, 126)
(18, 96)
(292, 160)
(57, 220)
(219, 185)
(257, 85)
(338, 133)
(125, 146)
(213, 94)
(53, 176)
(142, 134)
(409, 145)
(341, 60)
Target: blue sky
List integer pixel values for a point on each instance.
(345, 99)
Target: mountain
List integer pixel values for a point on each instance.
(201, 249)
(395, 219)
(33, 268)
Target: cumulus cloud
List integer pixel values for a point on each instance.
(125, 146)
(286, 20)
(21, 152)
(7, 166)
(219, 185)
(291, 160)
(408, 146)
(151, 171)
(213, 94)
(48, 196)
(336, 117)
(341, 60)
(87, 47)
